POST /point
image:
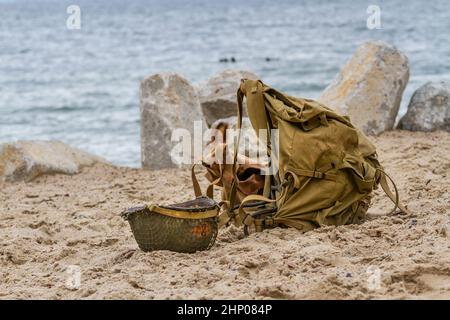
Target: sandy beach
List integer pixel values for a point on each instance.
(55, 222)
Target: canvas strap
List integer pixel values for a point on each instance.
(210, 188)
(228, 207)
(233, 191)
(259, 118)
(195, 184)
(253, 91)
(313, 174)
(251, 219)
(393, 196)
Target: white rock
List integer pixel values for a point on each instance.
(429, 108)
(167, 101)
(369, 87)
(218, 94)
(25, 160)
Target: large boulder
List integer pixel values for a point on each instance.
(369, 87)
(429, 108)
(167, 102)
(218, 94)
(25, 160)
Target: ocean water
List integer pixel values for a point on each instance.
(82, 86)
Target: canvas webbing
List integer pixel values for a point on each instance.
(255, 99)
(253, 91)
(394, 198)
(196, 185)
(314, 174)
(261, 122)
(248, 219)
(257, 113)
(210, 188)
(260, 223)
(240, 98)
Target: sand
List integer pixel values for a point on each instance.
(55, 226)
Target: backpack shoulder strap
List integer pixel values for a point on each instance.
(252, 90)
(259, 118)
(240, 98)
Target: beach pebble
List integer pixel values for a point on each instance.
(429, 108)
(218, 94)
(83, 214)
(443, 231)
(167, 102)
(87, 292)
(369, 87)
(25, 160)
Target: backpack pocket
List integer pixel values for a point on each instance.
(361, 172)
(250, 181)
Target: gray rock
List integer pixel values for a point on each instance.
(218, 94)
(25, 160)
(429, 108)
(370, 86)
(167, 102)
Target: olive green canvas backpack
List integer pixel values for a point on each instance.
(327, 168)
